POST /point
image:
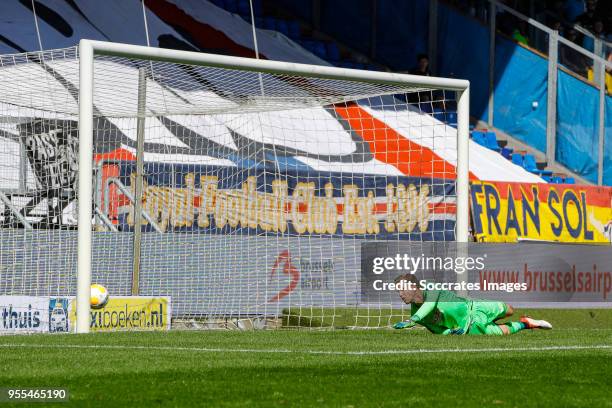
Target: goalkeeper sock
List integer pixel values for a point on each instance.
(515, 327)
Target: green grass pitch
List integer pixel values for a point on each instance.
(568, 366)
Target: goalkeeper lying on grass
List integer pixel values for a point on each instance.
(443, 312)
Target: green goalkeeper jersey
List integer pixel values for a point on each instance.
(442, 311)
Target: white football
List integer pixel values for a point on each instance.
(99, 296)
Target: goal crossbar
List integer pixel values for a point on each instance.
(88, 49)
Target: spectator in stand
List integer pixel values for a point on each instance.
(609, 73)
(505, 21)
(604, 11)
(598, 30)
(573, 9)
(571, 58)
(422, 67)
(587, 19)
(553, 14)
(557, 26)
(607, 77)
(520, 33)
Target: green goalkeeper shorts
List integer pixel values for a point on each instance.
(484, 314)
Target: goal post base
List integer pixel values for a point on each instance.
(227, 323)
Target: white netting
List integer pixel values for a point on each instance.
(259, 188)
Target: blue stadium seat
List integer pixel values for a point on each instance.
(425, 107)
(316, 47)
(269, 23)
(320, 50)
(282, 27)
(557, 180)
(231, 6)
(257, 8)
(333, 52)
(479, 137)
(529, 163)
(451, 118)
(506, 152)
(570, 180)
(517, 159)
(531, 166)
(547, 179)
(491, 141)
(438, 114)
(244, 7)
(295, 31)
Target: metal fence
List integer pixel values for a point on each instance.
(557, 51)
(562, 54)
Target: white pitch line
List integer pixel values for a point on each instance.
(316, 352)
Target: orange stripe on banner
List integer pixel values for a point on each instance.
(390, 147)
(381, 208)
(201, 34)
(117, 154)
(116, 200)
(595, 196)
(443, 208)
(438, 208)
(378, 208)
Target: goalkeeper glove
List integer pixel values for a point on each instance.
(404, 325)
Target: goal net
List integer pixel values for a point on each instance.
(242, 190)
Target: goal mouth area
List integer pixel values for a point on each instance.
(221, 183)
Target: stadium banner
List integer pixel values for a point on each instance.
(217, 199)
(52, 149)
(124, 313)
(254, 277)
(510, 212)
(59, 312)
(24, 314)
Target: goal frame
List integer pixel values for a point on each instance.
(88, 49)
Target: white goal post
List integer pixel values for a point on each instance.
(88, 50)
(228, 192)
